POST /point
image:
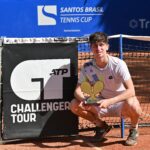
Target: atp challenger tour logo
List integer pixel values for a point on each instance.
(31, 77)
(34, 80)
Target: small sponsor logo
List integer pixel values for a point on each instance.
(139, 23)
(46, 15)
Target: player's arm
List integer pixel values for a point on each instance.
(78, 93)
(129, 92)
(125, 77)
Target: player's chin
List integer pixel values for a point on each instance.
(99, 55)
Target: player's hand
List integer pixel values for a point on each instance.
(84, 106)
(104, 103)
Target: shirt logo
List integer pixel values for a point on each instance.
(110, 77)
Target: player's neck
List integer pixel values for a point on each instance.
(102, 62)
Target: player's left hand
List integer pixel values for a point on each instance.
(104, 103)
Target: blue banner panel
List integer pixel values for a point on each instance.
(73, 18)
(38, 85)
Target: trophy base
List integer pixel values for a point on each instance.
(91, 101)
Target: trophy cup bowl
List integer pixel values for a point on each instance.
(92, 91)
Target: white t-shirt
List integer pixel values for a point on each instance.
(112, 76)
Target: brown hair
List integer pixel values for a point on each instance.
(98, 37)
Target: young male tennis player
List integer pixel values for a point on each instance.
(107, 79)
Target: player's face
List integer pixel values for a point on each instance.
(99, 49)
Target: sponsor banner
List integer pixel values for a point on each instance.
(38, 85)
(73, 18)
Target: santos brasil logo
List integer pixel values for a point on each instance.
(46, 15)
(40, 79)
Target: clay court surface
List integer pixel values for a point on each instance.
(82, 142)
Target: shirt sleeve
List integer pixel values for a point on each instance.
(123, 71)
(81, 76)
